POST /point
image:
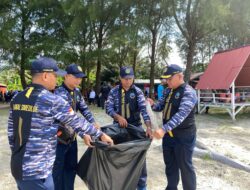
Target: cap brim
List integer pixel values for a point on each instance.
(166, 76)
(127, 76)
(61, 73)
(80, 75)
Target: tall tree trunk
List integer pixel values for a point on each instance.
(152, 65)
(99, 64)
(83, 66)
(135, 54)
(98, 68)
(22, 71)
(88, 73)
(23, 56)
(190, 57)
(88, 70)
(98, 76)
(134, 61)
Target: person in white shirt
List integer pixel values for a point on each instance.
(92, 96)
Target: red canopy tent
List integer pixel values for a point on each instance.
(228, 69)
(225, 68)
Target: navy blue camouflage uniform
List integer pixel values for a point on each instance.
(129, 104)
(64, 169)
(178, 107)
(32, 131)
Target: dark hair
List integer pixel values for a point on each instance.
(33, 75)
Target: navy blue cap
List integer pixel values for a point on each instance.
(46, 64)
(171, 70)
(75, 70)
(126, 72)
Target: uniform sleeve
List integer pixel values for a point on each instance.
(142, 106)
(110, 104)
(10, 130)
(83, 108)
(160, 104)
(62, 111)
(187, 104)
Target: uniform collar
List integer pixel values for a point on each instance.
(65, 86)
(181, 86)
(37, 86)
(131, 87)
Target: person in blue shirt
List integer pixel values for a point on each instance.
(160, 88)
(125, 103)
(179, 130)
(32, 127)
(104, 92)
(64, 170)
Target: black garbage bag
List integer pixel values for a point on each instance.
(116, 167)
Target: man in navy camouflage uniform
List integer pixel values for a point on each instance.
(64, 170)
(124, 104)
(32, 130)
(179, 130)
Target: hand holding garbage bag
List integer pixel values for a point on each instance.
(121, 120)
(106, 138)
(101, 167)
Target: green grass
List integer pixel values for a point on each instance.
(206, 157)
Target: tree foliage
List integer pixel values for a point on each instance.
(103, 35)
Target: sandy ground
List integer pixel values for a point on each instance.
(217, 132)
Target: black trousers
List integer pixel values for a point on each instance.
(64, 170)
(177, 154)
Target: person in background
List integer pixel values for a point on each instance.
(105, 89)
(146, 91)
(1, 97)
(92, 96)
(161, 88)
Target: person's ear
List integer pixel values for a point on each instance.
(45, 76)
(179, 75)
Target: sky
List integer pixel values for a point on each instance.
(174, 57)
